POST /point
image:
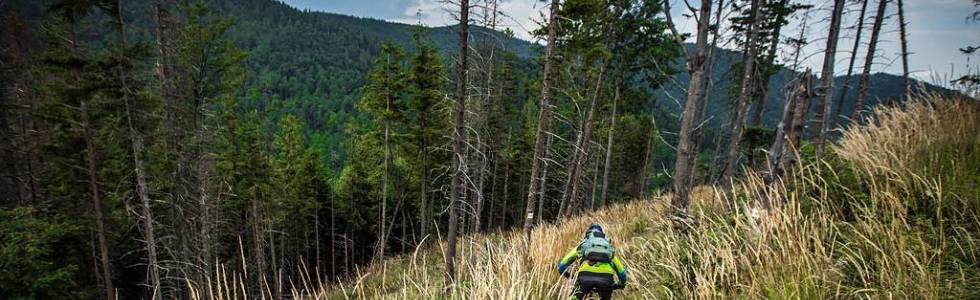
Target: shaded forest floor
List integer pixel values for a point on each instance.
(891, 211)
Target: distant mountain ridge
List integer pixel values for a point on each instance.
(883, 88)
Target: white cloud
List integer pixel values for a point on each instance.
(519, 15)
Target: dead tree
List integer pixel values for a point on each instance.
(569, 200)
(543, 192)
(783, 153)
(776, 150)
(609, 146)
(905, 50)
(706, 87)
(744, 98)
(683, 166)
(868, 62)
(822, 115)
(139, 170)
(542, 127)
(459, 138)
(802, 95)
(484, 145)
(838, 111)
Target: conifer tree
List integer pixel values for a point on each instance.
(210, 74)
(383, 100)
(293, 177)
(427, 121)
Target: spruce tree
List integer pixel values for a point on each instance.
(427, 122)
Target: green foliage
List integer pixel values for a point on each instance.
(292, 169)
(33, 256)
(385, 88)
(212, 63)
(755, 142)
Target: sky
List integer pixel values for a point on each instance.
(936, 29)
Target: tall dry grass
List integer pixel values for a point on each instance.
(891, 212)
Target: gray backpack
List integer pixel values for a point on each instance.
(597, 248)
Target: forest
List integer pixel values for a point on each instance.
(188, 149)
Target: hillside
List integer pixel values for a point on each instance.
(189, 149)
(884, 88)
(313, 64)
(834, 234)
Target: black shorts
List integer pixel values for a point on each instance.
(594, 283)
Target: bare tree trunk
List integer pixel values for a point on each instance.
(257, 252)
(333, 240)
(695, 92)
(776, 150)
(105, 265)
(609, 146)
(316, 237)
(147, 217)
(839, 110)
(744, 97)
(542, 128)
(789, 131)
(868, 62)
(424, 209)
(595, 177)
(379, 247)
(142, 189)
(379, 250)
(543, 192)
(803, 93)
(643, 178)
(707, 82)
(490, 21)
(493, 192)
(475, 224)
(905, 50)
(570, 201)
(818, 132)
(506, 196)
(204, 216)
(459, 136)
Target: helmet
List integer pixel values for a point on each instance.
(594, 229)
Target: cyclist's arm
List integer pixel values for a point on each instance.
(568, 260)
(620, 269)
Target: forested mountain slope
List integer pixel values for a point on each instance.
(313, 65)
(833, 234)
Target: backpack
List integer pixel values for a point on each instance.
(597, 248)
